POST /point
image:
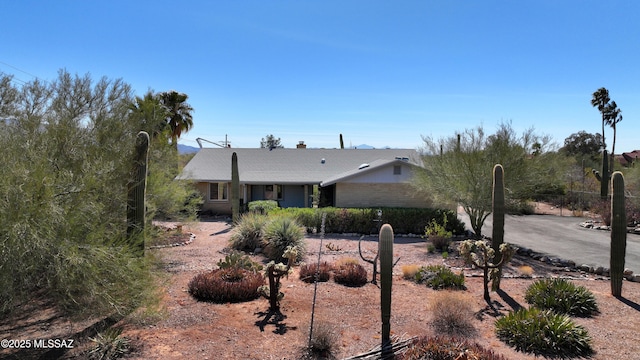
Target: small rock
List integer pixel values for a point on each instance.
(627, 272)
(585, 268)
(257, 250)
(634, 278)
(599, 270)
(605, 272)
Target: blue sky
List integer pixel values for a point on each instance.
(382, 73)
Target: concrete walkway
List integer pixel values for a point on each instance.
(562, 237)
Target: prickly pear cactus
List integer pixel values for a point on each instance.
(497, 236)
(385, 250)
(618, 233)
(136, 192)
(235, 188)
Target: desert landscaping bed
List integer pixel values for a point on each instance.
(193, 329)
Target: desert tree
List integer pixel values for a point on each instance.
(151, 116)
(614, 116)
(270, 142)
(583, 146)
(179, 117)
(458, 169)
(67, 155)
(600, 99)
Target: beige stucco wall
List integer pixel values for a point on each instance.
(217, 207)
(378, 195)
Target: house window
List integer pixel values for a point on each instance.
(273, 192)
(397, 170)
(218, 191)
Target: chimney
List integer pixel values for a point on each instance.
(301, 145)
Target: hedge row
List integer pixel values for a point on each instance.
(363, 220)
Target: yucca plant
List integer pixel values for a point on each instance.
(544, 333)
(562, 297)
(109, 345)
(279, 234)
(247, 234)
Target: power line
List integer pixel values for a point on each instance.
(22, 71)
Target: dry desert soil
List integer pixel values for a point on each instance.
(191, 329)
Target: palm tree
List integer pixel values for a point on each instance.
(179, 118)
(150, 114)
(601, 100)
(613, 117)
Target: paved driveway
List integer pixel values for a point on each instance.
(563, 237)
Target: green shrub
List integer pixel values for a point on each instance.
(562, 297)
(350, 274)
(438, 234)
(446, 348)
(226, 285)
(544, 333)
(440, 277)
(361, 220)
(452, 313)
(308, 272)
(238, 260)
(262, 206)
(63, 195)
(282, 232)
(247, 234)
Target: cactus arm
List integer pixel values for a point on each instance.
(385, 249)
(373, 262)
(604, 176)
(136, 207)
(618, 233)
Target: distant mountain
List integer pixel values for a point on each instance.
(186, 149)
(363, 146)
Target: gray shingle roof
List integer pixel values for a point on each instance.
(288, 166)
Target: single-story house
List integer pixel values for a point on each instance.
(345, 177)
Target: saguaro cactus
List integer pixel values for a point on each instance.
(385, 250)
(618, 233)
(604, 176)
(136, 192)
(497, 236)
(235, 188)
